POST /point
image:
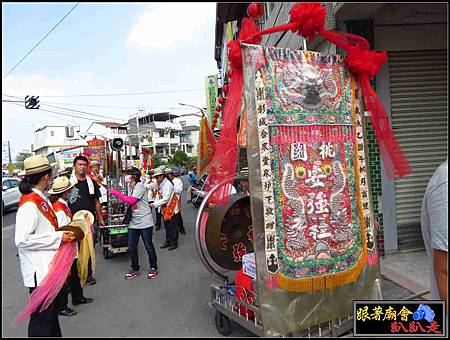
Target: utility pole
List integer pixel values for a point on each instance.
(141, 109)
(9, 152)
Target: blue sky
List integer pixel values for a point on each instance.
(103, 48)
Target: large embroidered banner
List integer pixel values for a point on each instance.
(312, 162)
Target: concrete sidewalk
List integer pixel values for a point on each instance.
(409, 270)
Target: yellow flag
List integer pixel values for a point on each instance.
(206, 148)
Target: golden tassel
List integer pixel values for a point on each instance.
(83, 260)
(91, 251)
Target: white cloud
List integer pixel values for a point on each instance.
(170, 23)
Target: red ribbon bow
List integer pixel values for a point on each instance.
(308, 20)
(364, 62)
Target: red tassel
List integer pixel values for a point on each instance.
(393, 156)
(308, 20)
(364, 62)
(309, 17)
(255, 10)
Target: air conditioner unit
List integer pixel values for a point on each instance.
(70, 133)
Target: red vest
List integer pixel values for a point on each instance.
(43, 207)
(57, 206)
(169, 209)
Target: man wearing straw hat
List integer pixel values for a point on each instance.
(37, 239)
(152, 187)
(178, 188)
(58, 196)
(166, 202)
(95, 172)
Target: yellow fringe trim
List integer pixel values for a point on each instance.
(327, 282)
(332, 281)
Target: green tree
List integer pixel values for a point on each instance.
(179, 159)
(18, 164)
(156, 161)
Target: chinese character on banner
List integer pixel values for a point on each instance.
(326, 150)
(314, 178)
(298, 152)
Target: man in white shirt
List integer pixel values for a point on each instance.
(167, 202)
(178, 188)
(434, 224)
(152, 187)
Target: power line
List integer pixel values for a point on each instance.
(101, 106)
(83, 112)
(113, 107)
(121, 107)
(62, 114)
(86, 113)
(122, 94)
(26, 55)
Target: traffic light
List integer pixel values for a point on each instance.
(32, 102)
(117, 144)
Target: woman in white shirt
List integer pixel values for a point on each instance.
(37, 239)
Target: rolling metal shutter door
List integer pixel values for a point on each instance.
(419, 120)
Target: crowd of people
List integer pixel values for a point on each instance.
(49, 203)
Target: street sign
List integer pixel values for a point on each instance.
(10, 168)
(211, 86)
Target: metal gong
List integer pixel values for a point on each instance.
(224, 234)
(229, 233)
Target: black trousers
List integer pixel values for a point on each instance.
(172, 231)
(74, 286)
(158, 218)
(180, 223)
(45, 324)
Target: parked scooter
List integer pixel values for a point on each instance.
(197, 191)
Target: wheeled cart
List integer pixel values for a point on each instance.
(115, 234)
(234, 303)
(227, 308)
(115, 240)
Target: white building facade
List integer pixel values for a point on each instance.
(164, 133)
(50, 138)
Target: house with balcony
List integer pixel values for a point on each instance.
(50, 138)
(108, 130)
(156, 131)
(190, 124)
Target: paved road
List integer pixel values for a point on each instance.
(173, 305)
